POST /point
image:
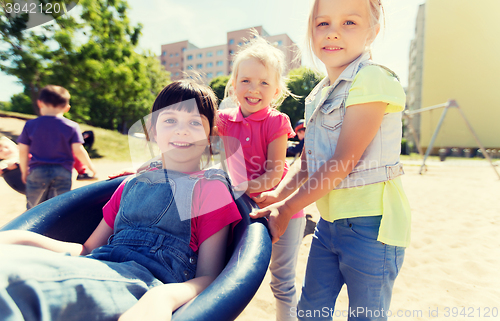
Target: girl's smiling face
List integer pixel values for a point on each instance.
(255, 86)
(341, 33)
(182, 137)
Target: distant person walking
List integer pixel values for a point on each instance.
(52, 140)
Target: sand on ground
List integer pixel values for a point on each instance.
(451, 268)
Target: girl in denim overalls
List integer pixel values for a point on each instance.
(350, 168)
(161, 242)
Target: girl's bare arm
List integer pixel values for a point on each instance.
(99, 237)
(361, 123)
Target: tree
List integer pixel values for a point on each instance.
(28, 55)
(95, 59)
(5, 105)
(21, 103)
(218, 85)
(300, 82)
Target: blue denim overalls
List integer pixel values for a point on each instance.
(150, 244)
(151, 229)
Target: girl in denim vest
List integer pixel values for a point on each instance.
(350, 168)
(161, 241)
(257, 85)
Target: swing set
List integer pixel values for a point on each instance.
(449, 104)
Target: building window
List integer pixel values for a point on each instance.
(231, 52)
(209, 54)
(176, 54)
(219, 73)
(199, 66)
(171, 55)
(171, 65)
(220, 63)
(220, 52)
(177, 74)
(163, 62)
(239, 44)
(177, 64)
(190, 67)
(190, 57)
(200, 55)
(210, 75)
(164, 53)
(231, 41)
(183, 49)
(209, 64)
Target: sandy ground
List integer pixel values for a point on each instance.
(451, 267)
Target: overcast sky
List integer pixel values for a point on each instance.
(205, 23)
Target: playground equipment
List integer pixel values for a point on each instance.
(74, 215)
(449, 104)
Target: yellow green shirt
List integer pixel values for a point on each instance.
(373, 84)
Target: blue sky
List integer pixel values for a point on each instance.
(205, 23)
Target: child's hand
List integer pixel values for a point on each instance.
(242, 187)
(128, 171)
(277, 219)
(24, 176)
(266, 199)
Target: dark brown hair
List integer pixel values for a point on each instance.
(55, 96)
(183, 90)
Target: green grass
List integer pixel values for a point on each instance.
(16, 115)
(108, 144)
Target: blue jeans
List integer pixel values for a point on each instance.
(347, 251)
(37, 284)
(45, 182)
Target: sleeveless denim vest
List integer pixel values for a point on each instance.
(153, 224)
(324, 118)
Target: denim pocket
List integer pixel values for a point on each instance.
(365, 227)
(332, 114)
(144, 208)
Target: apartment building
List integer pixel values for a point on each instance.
(454, 56)
(183, 58)
(414, 90)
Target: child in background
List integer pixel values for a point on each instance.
(350, 168)
(166, 232)
(258, 85)
(9, 154)
(296, 149)
(9, 165)
(53, 141)
(11, 172)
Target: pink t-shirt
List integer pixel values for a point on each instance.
(254, 134)
(212, 209)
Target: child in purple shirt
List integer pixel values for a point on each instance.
(52, 140)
